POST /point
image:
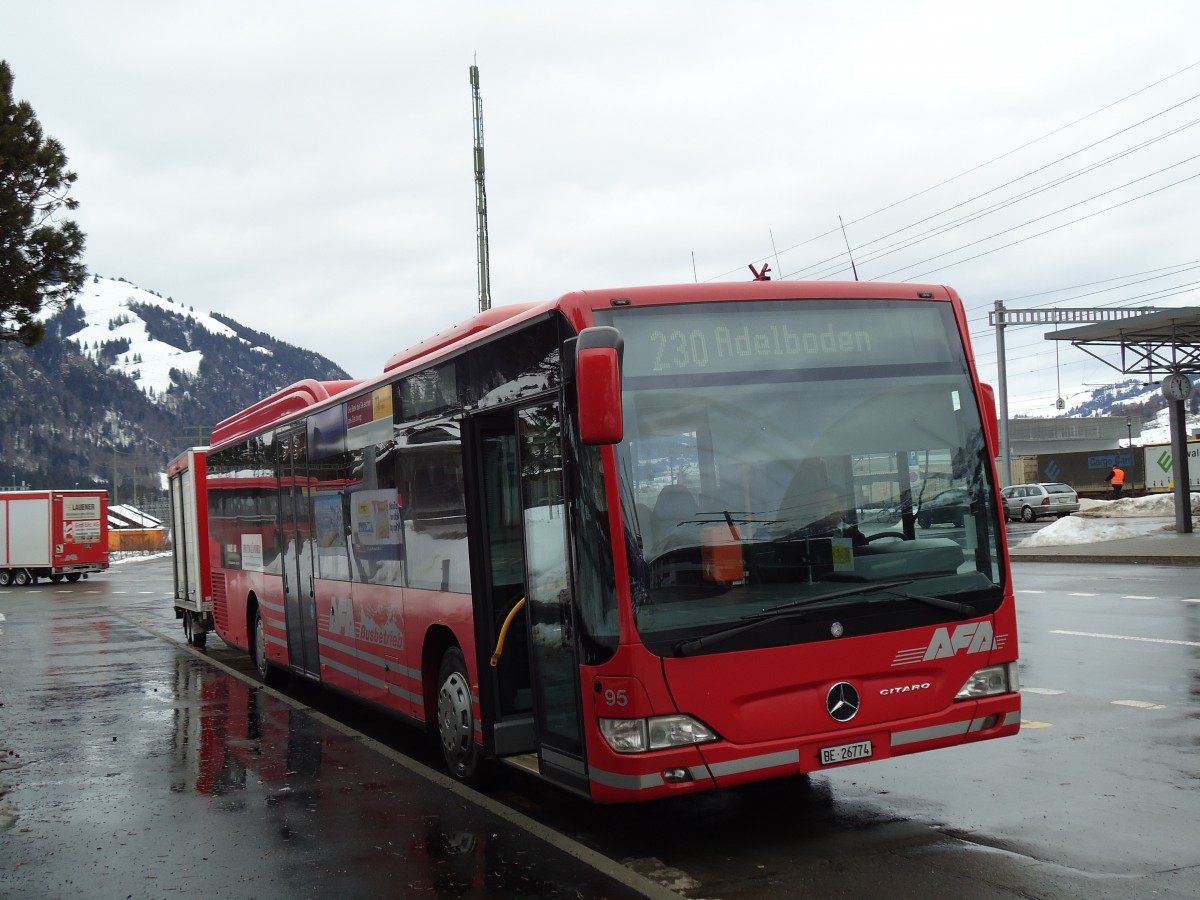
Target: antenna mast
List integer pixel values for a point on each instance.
(481, 233)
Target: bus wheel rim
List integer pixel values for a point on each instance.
(260, 646)
(454, 716)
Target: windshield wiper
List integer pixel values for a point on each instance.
(798, 608)
(774, 613)
(963, 609)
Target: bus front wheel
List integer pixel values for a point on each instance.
(456, 719)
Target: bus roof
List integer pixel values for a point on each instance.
(578, 308)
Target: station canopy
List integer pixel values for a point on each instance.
(1164, 341)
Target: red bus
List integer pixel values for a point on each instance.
(640, 542)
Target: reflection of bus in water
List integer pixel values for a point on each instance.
(320, 796)
(630, 541)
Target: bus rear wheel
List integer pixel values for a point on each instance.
(269, 674)
(456, 720)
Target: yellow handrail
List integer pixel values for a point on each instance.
(512, 614)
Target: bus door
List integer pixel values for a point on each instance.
(296, 518)
(530, 698)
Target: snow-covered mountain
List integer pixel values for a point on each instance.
(157, 342)
(113, 311)
(126, 378)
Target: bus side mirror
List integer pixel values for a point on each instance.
(598, 385)
(991, 425)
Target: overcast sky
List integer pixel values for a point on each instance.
(306, 168)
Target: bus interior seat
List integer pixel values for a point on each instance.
(674, 505)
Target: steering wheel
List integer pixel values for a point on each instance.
(887, 534)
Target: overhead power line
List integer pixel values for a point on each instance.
(995, 159)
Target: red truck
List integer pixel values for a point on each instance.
(52, 534)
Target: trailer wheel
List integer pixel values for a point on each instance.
(194, 637)
(456, 720)
(73, 577)
(22, 578)
(5, 577)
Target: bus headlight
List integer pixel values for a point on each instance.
(655, 733)
(990, 681)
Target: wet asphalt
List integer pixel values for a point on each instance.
(131, 766)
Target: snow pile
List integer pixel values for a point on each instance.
(1073, 531)
(1108, 520)
(1150, 505)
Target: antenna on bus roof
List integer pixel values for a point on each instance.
(481, 235)
(853, 268)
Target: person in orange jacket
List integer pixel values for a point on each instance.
(1117, 479)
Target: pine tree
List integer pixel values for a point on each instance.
(39, 254)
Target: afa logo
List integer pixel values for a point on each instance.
(973, 637)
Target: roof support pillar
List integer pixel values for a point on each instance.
(1183, 478)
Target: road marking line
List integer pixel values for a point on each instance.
(1191, 599)
(1137, 597)
(1138, 704)
(1030, 723)
(1028, 592)
(1045, 692)
(1081, 595)
(1126, 637)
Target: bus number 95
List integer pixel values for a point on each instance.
(616, 698)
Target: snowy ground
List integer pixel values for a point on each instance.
(1109, 520)
(116, 557)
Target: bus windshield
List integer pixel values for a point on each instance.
(818, 463)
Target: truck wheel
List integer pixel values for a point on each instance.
(57, 579)
(22, 578)
(456, 720)
(73, 577)
(5, 577)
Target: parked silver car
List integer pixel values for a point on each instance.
(1030, 502)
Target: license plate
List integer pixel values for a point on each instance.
(845, 753)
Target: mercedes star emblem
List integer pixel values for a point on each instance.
(843, 701)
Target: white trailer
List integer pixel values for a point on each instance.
(186, 476)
